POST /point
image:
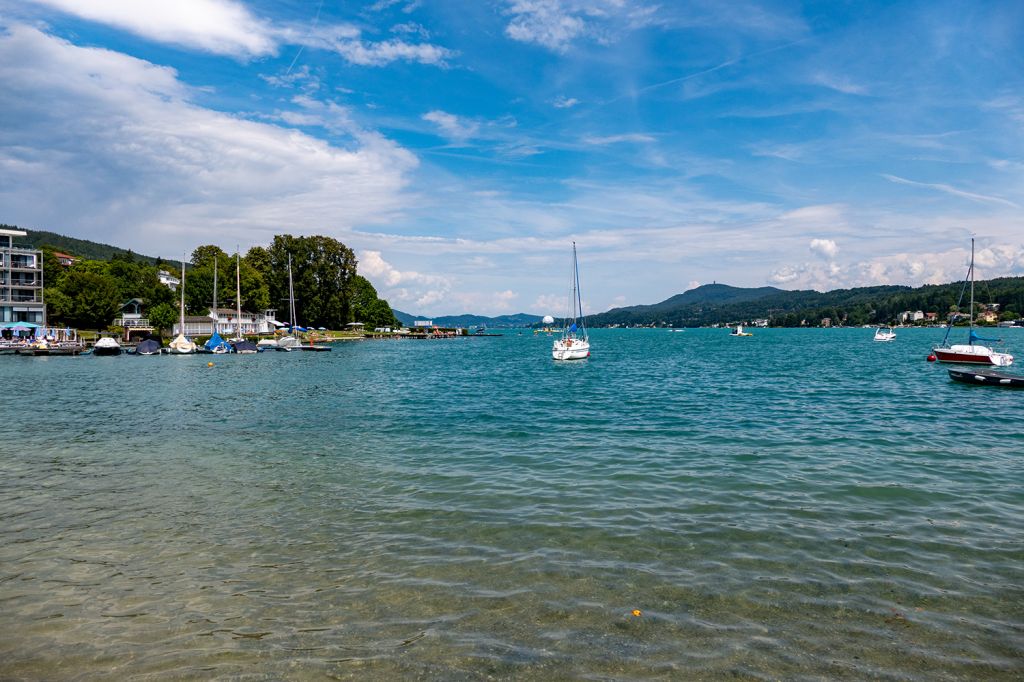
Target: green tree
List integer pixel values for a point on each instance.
(162, 316)
(86, 299)
(367, 307)
(322, 270)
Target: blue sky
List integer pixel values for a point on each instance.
(459, 147)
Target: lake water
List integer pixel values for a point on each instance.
(796, 504)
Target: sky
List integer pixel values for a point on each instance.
(460, 147)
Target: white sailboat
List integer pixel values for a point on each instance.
(182, 345)
(241, 344)
(289, 342)
(970, 353)
(574, 343)
(215, 344)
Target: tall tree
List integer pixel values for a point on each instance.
(322, 269)
(86, 300)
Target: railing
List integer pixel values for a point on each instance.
(132, 322)
(20, 298)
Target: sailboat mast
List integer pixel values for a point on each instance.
(576, 275)
(972, 288)
(181, 324)
(293, 321)
(214, 314)
(238, 291)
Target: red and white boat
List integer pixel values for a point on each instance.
(971, 353)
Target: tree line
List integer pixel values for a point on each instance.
(329, 292)
(878, 305)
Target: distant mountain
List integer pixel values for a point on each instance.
(82, 248)
(723, 304)
(517, 320)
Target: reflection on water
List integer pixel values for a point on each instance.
(799, 503)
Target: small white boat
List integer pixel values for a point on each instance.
(574, 343)
(108, 345)
(884, 334)
(738, 331)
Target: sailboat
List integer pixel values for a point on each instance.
(289, 342)
(738, 331)
(216, 344)
(182, 345)
(970, 353)
(240, 343)
(574, 343)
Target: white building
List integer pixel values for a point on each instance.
(21, 281)
(911, 316)
(225, 321)
(168, 280)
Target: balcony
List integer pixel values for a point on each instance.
(132, 322)
(20, 297)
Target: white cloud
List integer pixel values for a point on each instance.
(456, 129)
(616, 139)
(551, 304)
(839, 83)
(563, 102)
(545, 22)
(227, 27)
(981, 198)
(217, 26)
(137, 161)
(403, 287)
(909, 268)
(824, 247)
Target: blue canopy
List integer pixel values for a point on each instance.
(573, 327)
(215, 342)
(972, 337)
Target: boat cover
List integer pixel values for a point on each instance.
(147, 346)
(244, 345)
(214, 341)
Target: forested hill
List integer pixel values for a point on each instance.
(83, 248)
(448, 321)
(721, 304)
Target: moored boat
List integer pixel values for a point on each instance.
(108, 345)
(970, 353)
(986, 377)
(182, 345)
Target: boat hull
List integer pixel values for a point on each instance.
(981, 377)
(574, 350)
(101, 350)
(972, 355)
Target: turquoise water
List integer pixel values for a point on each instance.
(797, 504)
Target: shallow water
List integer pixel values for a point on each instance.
(796, 504)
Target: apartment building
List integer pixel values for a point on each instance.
(21, 280)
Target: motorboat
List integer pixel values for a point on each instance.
(884, 334)
(738, 331)
(107, 345)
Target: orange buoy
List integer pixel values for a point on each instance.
(637, 612)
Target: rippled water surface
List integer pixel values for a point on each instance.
(797, 504)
